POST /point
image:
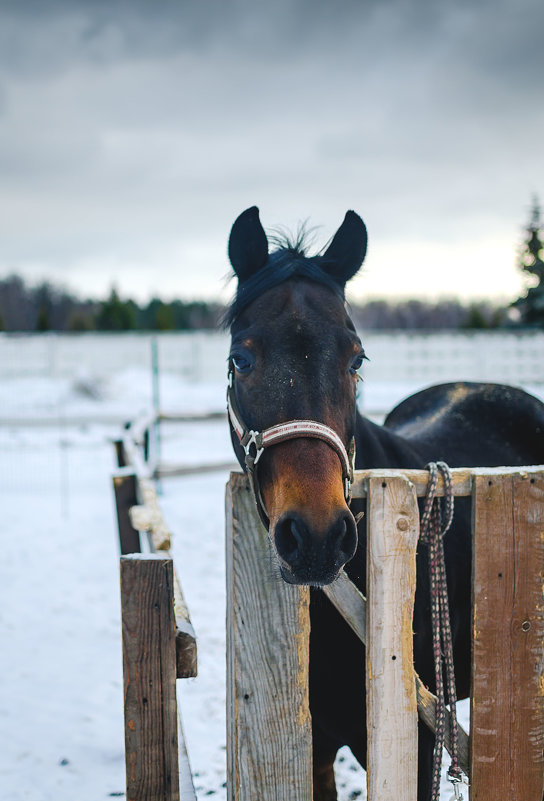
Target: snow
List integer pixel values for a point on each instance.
(61, 690)
(61, 695)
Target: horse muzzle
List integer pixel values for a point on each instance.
(307, 556)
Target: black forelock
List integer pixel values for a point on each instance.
(284, 263)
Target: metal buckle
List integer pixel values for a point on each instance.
(252, 438)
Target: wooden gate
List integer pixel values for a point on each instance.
(269, 727)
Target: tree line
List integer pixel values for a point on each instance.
(48, 308)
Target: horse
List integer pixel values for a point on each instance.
(294, 364)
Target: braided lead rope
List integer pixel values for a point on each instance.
(435, 522)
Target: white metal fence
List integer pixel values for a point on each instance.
(503, 356)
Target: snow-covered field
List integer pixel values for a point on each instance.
(61, 727)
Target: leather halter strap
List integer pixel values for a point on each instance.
(254, 444)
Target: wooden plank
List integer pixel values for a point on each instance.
(461, 476)
(351, 604)
(461, 479)
(119, 453)
(134, 456)
(392, 532)
(268, 720)
(124, 488)
(507, 710)
(149, 670)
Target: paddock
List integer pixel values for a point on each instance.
(60, 576)
(268, 722)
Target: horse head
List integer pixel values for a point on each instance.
(293, 368)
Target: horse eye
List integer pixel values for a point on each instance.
(241, 363)
(357, 362)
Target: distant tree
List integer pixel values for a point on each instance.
(81, 320)
(475, 318)
(16, 305)
(147, 315)
(164, 317)
(531, 305)
(42, 323)
(382, 315)
(116, 314)
(181, 314)
(44, 299)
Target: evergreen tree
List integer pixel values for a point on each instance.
(531, 306)
(116, 314)
(42, 323)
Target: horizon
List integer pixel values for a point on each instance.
(79, 296)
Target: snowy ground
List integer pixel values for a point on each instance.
(61, 727)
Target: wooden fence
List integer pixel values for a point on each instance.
(159, 643)
(268, 718)
(269, 743)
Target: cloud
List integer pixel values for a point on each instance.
(132, 133)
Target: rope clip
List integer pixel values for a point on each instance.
(457, 789)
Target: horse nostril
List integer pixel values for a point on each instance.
(288, 538)
(346, 536)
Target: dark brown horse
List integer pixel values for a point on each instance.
(293, 369)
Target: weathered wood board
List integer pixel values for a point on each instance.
(269, 729)
(507, 710)
(149, 670)
(124, 488)
(393, 529)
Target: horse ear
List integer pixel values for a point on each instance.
(248, 245)
(347, 250)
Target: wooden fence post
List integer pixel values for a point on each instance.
(120, 453)
(392, 532)
(149, 670)
(124, 488)
(507, 708)
(268, 721)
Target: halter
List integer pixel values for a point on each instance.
(255, 442)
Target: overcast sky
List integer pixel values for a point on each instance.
(133, 132)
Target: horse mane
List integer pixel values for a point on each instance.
(289, 260)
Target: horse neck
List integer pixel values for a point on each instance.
(377, 446)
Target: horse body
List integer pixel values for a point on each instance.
(295, 356)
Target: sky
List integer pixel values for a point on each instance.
(133, 132)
